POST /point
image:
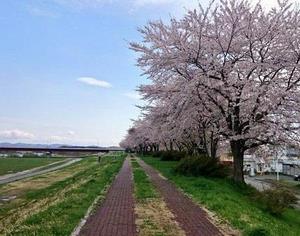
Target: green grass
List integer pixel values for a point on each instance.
(13, 165)
(62, 204)
(231, 202)
(143, 188)
(292, 185)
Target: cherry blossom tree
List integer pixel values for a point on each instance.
(233, 68)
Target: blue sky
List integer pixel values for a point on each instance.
(66, 73)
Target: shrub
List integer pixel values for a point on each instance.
(172, 155)
(277, 200)
(258, 232)
(201, 166)
(156, 154)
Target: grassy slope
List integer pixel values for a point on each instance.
(289, 184)
(230, 202)
(13, 165)
(58, 208)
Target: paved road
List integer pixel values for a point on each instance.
(192, 219)
(115, 217)
(36, 171)
(259, 184)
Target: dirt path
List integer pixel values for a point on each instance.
(36, 171)
(115, 216)
(191, 218)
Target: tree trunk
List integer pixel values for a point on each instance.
(213, 148)
(213, 145)
(166, 146)
(237, 149)
(205, 142)
(140, 148)
(171, 146)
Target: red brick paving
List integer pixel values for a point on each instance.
(191, 218)
(115, 216)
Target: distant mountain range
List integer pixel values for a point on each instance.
(27, 145)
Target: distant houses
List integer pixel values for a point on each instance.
(287, 162)
(291, 167)
(259, 164)
(21, 154)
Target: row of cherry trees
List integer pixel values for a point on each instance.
(225, 74)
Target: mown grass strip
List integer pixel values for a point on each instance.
(45, 185)
(153, 216)
(231, 202)
(144, 189)
(13, 165)
(21, 187)
(61, 206)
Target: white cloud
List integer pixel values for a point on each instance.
(133, 95)
(16, 134)
(71, 133)
(94, 82)
(57, 138)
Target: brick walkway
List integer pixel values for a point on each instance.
(191, 218)
(115, 217)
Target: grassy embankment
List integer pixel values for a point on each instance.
(153, 216)
(232, 203)
(54, 203)
(291, 184)
(13, 165)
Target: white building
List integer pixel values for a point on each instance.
(259, 164)
(285, 161)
